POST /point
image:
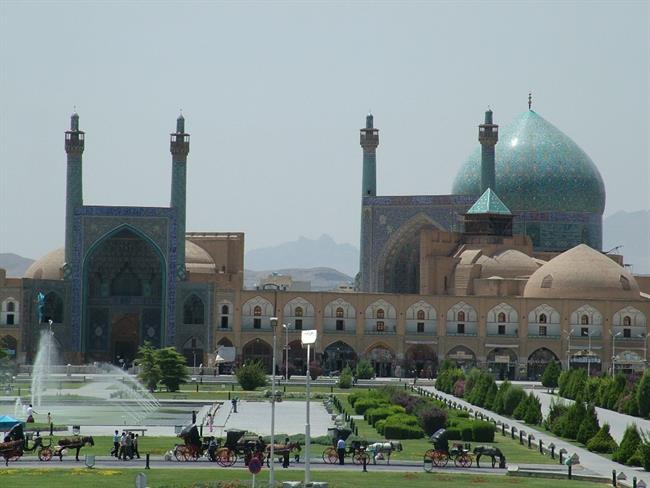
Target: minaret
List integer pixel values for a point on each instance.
(488, 135)
(179, 147)
(74, 148)
(369, 143)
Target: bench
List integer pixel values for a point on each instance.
(142, 431)
(179, 397)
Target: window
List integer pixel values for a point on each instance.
(10, 319)
(380, 313)
(257, 323)
(542, 318)
(193, 310)
(380, 326)
(298, 324)
(584, 332)
(502, 330)
(257, 311)
(224, 322)
(460, 328)
(627, 332)
(224, 309)
(298, 312)
(340, 324)
(420, 327)
(542, 330)
(584, 320)
(461, 316)
(501, 317)
(547, 281)
(627, 321)
(420, 315)
(11, 307)
(339, 313)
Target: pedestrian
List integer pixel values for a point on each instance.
(234, 404)
(135, 445)
(212, 449)
(340, 448)
(129, 446)
(285, 454)
(210, 422)
(122, 454)
(30, 414)
(49, 418)
(116, 444)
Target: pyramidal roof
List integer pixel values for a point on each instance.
(489, 203)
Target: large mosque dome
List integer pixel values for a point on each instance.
(539, 169)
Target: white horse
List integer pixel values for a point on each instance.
(379, 449)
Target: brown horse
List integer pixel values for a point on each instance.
(73, 443)
(11, 450)
(280, 450)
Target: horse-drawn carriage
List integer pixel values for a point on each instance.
(16, 443)
(192, 448)
(356, 449)
(440, 455)
(76, 442)
(239, 443)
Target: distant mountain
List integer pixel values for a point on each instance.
(14, 264)
(631, 230)
(306, 253)
(322, 279)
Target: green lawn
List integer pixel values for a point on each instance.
(414, 449)
(186, 478)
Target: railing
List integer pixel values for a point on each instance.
(509, 334)
(259, 329)
(547, 336)
(379, 332)
(336, 331)
(465, 334)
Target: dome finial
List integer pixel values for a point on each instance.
(530, 99)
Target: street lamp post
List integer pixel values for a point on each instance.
(614, 336)
(589, 357)
(274, 325)
(568, 349)
(308, 338)
(645, 348)
(286, 352)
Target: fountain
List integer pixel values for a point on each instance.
(46, 357)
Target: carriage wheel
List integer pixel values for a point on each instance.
(180, 453)
(428, 460)
(440, 459)
(463, 460)
(330, 456)
(45, 454)
(359, 456)
(225, 457)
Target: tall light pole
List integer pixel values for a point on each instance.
(568, 349)
(614, 336)
(286, 351)
(308, 338)
(589, 356)
(645, 348)
(274, 325)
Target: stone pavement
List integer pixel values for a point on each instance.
(589, 460)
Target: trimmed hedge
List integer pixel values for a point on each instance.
(399, 431)
(363, 404)
(482, 431)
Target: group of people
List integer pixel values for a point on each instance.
(125, 445)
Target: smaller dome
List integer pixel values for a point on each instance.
(47, 267)
(197, 260)
(582, 272)
(508, 264)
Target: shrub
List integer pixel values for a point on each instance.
(459, 388)
(431, 419)
(365, 371)
(490, 396)
(514, 395)
(251, 375)
(644, 451)
(400, 431)
(551, 375)
(345, 380)
(602, 442)
(497, 404)
(629, 445)
(410, 402)
(643, 394)
(454, 434)
(520, 411)
(482, 431)
(448, 377)
(466, 433)
(315, 370)
(363, 404)
(589, 426)
(556, 410)
(573, 417)
(533, 414)
(380, 426)
(373, 415)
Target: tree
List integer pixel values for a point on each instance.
(150, 373)
(173, 371)
(589, 426)
(551, 375)
(533, 413)
(629, 444)
(643, 394)
(602, 441)
(251, 375)
(365, 371)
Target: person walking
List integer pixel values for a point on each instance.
(285, 455)
(116, 444)
(210, 422)
(122, 454)
(129, 446)
(134, 438)
(340, 449)
(30, 414)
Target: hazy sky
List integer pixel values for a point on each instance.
(274, 95)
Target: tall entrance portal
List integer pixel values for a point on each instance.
(123, 297)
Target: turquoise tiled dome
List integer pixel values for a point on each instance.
(538, 168)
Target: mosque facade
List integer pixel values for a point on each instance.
(506, 273)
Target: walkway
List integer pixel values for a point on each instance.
(589, 460)
(617, 421)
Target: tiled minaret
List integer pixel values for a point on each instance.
(74, 148)
(369, 143)
(179, 147)
(488, 135)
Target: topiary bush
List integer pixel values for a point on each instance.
(643, 394)
(363, 404)
(482, 431)
(251, 376)
(432, 418)
(533, 414)
(589, 426)
(365, 371)
(399, 431)
(644, 452)
(602, 442)
(513, 396)
(629, 444)
(345, 380)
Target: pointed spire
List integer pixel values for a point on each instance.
(530, 100)
(180, 123)
(74, 121)
(369, 120)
